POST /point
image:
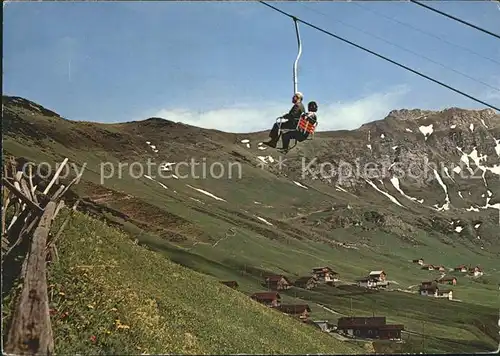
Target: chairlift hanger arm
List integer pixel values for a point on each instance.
(299, 45)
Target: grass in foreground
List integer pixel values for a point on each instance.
(111, 296)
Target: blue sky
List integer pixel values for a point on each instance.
(228, 65)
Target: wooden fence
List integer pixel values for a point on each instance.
(27, 216)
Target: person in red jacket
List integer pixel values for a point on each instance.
(292, 118)
(300, 135)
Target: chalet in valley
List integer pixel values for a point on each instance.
(369, 327)
(300, 311)
(380, 276)
(306, 282)
(271, 299)
(461, 268)
(428, 267)
(375, 279)
(447, 280)
(277, 282)
(325, 274)
(231, 284)
(440, 268)
(431, 289)
(419, 261)
(476, 271)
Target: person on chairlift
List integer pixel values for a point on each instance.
(292, 118)
(311, 117)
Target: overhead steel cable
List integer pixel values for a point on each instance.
(455, 18)
(381, 56)
(427, 33)
(405, 49)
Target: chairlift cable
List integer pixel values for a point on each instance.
(427, 33)
(383, 57)
(455, 18)
(407, 50)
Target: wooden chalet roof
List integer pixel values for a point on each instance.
(277, 278)
(304, 280)
(361, 321)
(323, 269)
(265, 296)
(294, 308)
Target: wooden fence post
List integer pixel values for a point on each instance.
(31, 330)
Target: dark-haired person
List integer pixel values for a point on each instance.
(292, 118)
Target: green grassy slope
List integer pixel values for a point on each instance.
(103, 277)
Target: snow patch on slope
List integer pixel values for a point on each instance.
(263, 220)
(395, 183)
(266, 159)
(154, 180)
(447, 172)
(153, 147)
(446, 205)
(394, 200)
(488, 205)
(167, 166)
(427, 130)
(205, 192)
(340, 189)
(300, 185)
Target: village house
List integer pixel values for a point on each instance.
(271, 299)
(231, 284)
(428, 283)
(428, 267)
(374, 280)
(379, 276)
(476, 271)
(369, 327)
(325, 274)
(431, 289)
(277, 282)
(440, 268)
(300, 311)
(419, 261)
(447, 280)
(306, 282)
(461, 268)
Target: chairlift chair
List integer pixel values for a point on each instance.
(304, 125)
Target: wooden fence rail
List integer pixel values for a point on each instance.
(27, 216)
